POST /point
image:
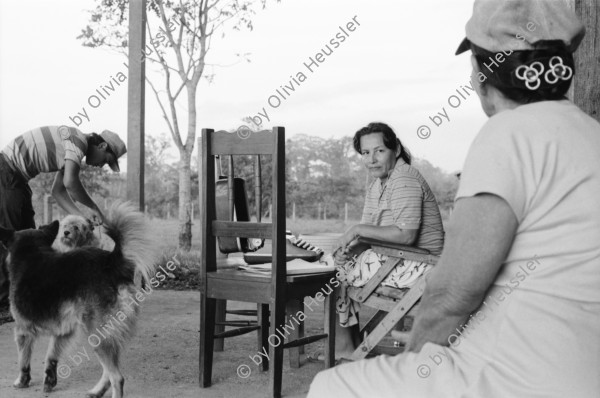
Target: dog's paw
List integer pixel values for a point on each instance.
(49, 384)
(22, 381)
(50, 380)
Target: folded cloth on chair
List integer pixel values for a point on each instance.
(358, 271)
(364, 266)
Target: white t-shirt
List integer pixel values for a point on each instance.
(544, 160)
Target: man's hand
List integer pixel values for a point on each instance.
(97, 217)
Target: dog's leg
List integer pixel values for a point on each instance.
(24, 340)
(102, 385)
(55, 348)
(108, 353)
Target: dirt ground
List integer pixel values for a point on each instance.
(162, 359)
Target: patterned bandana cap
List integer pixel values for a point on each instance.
(516, 25)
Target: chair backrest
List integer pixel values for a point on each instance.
(223, 143)
(232, 203)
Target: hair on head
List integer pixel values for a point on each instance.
(390, 140)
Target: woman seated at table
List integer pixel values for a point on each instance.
(400, 208)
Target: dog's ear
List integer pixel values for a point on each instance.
(6, 235)
(51, 230)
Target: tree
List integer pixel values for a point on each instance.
(180, 49)
(325, 171)
(161, 179)
(443, 185)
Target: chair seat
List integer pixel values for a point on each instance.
(240, 285)
(228, 268)
(231, 262)
(238, 274)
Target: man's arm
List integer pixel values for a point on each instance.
(479, 238)
(67, 185)
(60, 194)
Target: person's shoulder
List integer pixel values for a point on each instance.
(60, 132)
(404, 174)
(403, 169)
(506, 128)
(74, 132)
(526, 118)
(505, 122)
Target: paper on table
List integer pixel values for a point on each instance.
(294, 267)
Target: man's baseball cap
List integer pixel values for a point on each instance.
(116, 147)
(516, 25)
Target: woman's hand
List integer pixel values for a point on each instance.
(349, 236)
(340, 258)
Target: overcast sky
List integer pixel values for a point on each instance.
(398, 67)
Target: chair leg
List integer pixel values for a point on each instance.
(220, 316)
(207, 334)
(329, 329)
(301, 327)
(276, 349)
(263, 333)
(390, 320)
(372, 323)
(291, 308)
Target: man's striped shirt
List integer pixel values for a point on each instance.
(407, 202)
(45, 150)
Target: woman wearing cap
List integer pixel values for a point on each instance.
(513, 307)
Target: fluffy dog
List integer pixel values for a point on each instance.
(79, 293)
(75, 231)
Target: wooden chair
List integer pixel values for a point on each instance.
(392, 304)
(221, 280)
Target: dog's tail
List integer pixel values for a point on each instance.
(132, 236)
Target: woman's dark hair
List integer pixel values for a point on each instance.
(502, 75)
(389, 139)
